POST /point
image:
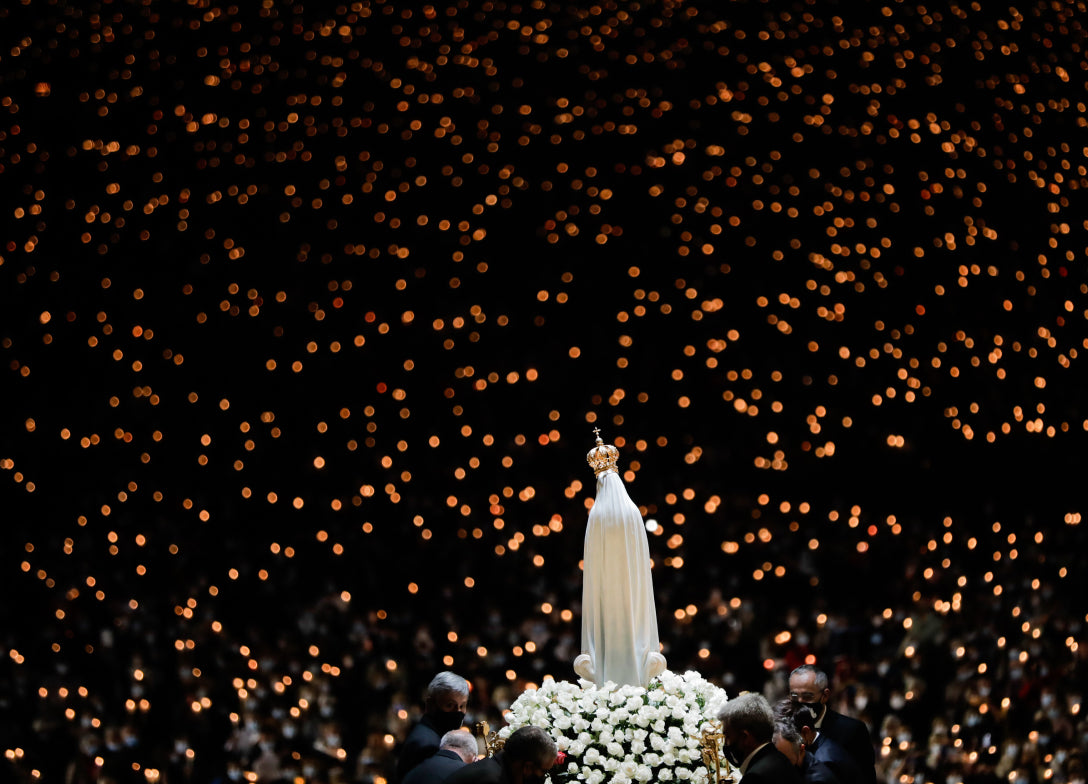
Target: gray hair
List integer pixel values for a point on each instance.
(749, 711)
(530, 744)
(785, 730)
(446, 683)
(821, 676)
(783, 711)
(462, 742)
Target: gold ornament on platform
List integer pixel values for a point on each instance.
(712, 757)
(489, 739)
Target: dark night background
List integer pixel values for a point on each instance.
(308, 312)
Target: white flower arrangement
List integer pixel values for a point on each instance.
(624, 734)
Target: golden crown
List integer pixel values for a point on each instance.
(602, 458)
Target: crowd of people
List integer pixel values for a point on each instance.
(947, 697)
(801, 740)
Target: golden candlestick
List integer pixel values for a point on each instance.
(712, 757)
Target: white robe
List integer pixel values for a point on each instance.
(619, 618)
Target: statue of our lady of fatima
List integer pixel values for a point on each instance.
(619, 619)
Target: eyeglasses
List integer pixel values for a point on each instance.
(804, 696)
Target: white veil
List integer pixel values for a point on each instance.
(619, 617)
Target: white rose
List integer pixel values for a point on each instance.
(643, 773)
(665, 774)
(614, 749)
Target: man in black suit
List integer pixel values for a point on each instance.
(526, 757)
(443, 711)
(747, 729)
(456, 749)
(788, 740)
(822, 748)
(809, 686)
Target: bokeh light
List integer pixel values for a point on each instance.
(306, 318)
